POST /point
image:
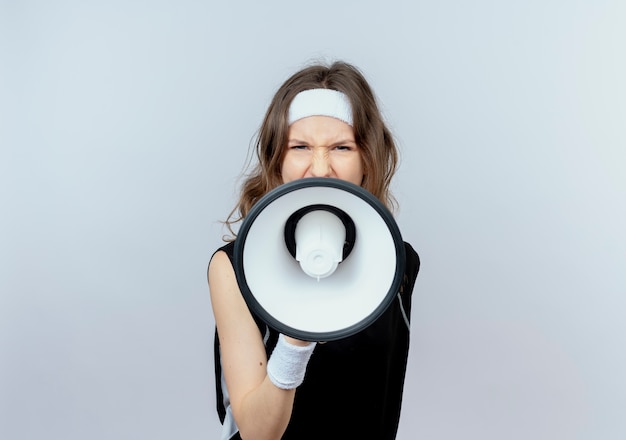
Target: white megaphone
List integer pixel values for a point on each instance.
(319, 259)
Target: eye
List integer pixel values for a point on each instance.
(343, 148)
(298, 147)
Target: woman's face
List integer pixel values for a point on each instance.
(321, 146)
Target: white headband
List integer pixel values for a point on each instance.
(320, 102)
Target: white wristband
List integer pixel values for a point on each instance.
(287, 364)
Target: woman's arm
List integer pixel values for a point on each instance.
(261, 410)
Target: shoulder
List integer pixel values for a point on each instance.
(224, 289)
(221, 273)
(412, 258)
(228, 303)
(221, 257)
(227, 249)
(412, 267)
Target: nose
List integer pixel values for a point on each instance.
(320, 165)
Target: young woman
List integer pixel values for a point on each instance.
(322, 122)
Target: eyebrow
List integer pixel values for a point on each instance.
(341, 142)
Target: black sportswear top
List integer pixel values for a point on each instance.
(353, 386)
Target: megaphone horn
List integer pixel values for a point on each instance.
(319, 259)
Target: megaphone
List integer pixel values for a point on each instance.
(319, 259)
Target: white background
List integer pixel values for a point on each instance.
(124, 126)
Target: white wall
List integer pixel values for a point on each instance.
(123, 128)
